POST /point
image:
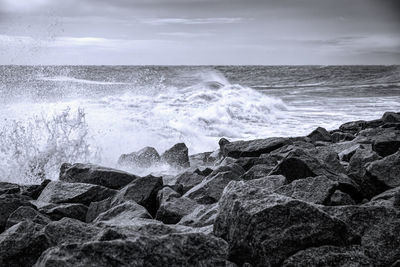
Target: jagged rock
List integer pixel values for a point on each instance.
(34, 191)
(265, 159)
(26, 213)
(143, 191)
(95, 208)
(166, 194)
(391, 117)
(144, 158)
(346, 154)
(172, 210)
(329, 256)
(342, 137)
(316, 190)
(122, 213)
(22, 244)
(353, 126)
(8, 204)
(263, 228)
(391, 194)
(257, 171)
(68, 230)
(339, 198)
(210, 189)
(234, 168)
(94, 174)
(253, 148)
(70, 210)
(387, 143)
(188, 180)
(386, 170)
(201, 216)
(320, 134)
(189, 249)
(9, 188)
(204, 159)
(177, 156)
(62, 192)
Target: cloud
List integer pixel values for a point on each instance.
(186, 34)
(191, 21)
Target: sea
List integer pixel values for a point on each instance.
(55, 114)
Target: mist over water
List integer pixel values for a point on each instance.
(50, 115)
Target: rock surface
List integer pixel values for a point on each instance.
(177, 156)
(144, 158)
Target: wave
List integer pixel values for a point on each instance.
(67, 79)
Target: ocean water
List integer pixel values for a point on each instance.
(53, 114)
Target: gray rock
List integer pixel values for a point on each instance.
(257, 171)
(263, 228)
(144, 158)
(346, 154)
(320, 134)
(387, 143)
(94, 174)
(173, 210)
(9, 188)
(62, 192)
(8, 204)
(95, 208)
(188, 180)
(34, 191)
(386, 170)
(329, 256)
(202, 215)
(70, 210)
(391, 117)
(341, 137)
(122, 213)
(22, 244)
(142, 191)
(339, 198)
(166, 194)
(26, 213)
(177, 156)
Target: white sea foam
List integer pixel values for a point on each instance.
(66, 79)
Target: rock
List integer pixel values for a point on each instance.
(386, 170)
(188, 180)
(122, 213)
(346, 154)
(391, 117)
(189, 249)
(143, 191)
(34, 191)
(210, 189)
(58, 211)
(329, 256)
(173, 210)
(391, 194)
(263, 228)
(387, 143)
(253, 148)
(204, 159)
(177, 156)
(95, 208)
(166, 194)
(341, 137)
(26, 213)
(353, 126)
(69, 230)
(257, 171)
(62, 192)
(22, 244)
(266, 160)
(320, 134)
(201, 216)
(316, 190)
(338, 198)
(234, 168)
(9, 188)
(94, 174)
(8, 204)
(144, 158)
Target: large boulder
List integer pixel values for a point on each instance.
(387, 143)
(341, 137)
(62, 192)
(188, 180)
(386, 170)
(172, 210)
(8, 204)
(202, 215)
(329, 256)
(144, 158)
(177, 156)
(9, 188)
(253, 148)
(95, 208)
(27, 213)
(316, 190)
(34, 190)
(94, 174)
(257, 171)
(143, 191)
(320, 134)
(391, 117)
(22, 244)
(70, 210)
(189, 249)
(263, 228)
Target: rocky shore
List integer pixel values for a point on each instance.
(331, 198)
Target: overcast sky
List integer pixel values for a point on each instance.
(173, 32)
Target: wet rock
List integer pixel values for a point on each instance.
(9, 188)
(346, 154)
(188, 180)
(320, 134)
(59, 211)
(341, 137)
(391, 117)
(174, 209)
(316, 190)
(95, 208)
(204, 159)
(234, 168)
(144, 158)
(62, 192)
(26, 213)
(257, 171)
(292, 225)
(339, 198)
(142, 191)
(123, 213)
(265, 159)
(387, 144)
(353, 126)
(166, 194)
(177, 156)
(329, 256)
(34, 191)
(94, 174)
(8, 204)
(253, 148)
(201, 216)
(386, 170)
(22, 244)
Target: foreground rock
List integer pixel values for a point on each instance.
(177, 156)
(27, 213)
(8, 204)
(387, 170)
(144, 158)
(94, 174)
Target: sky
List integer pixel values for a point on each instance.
(199, 32)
